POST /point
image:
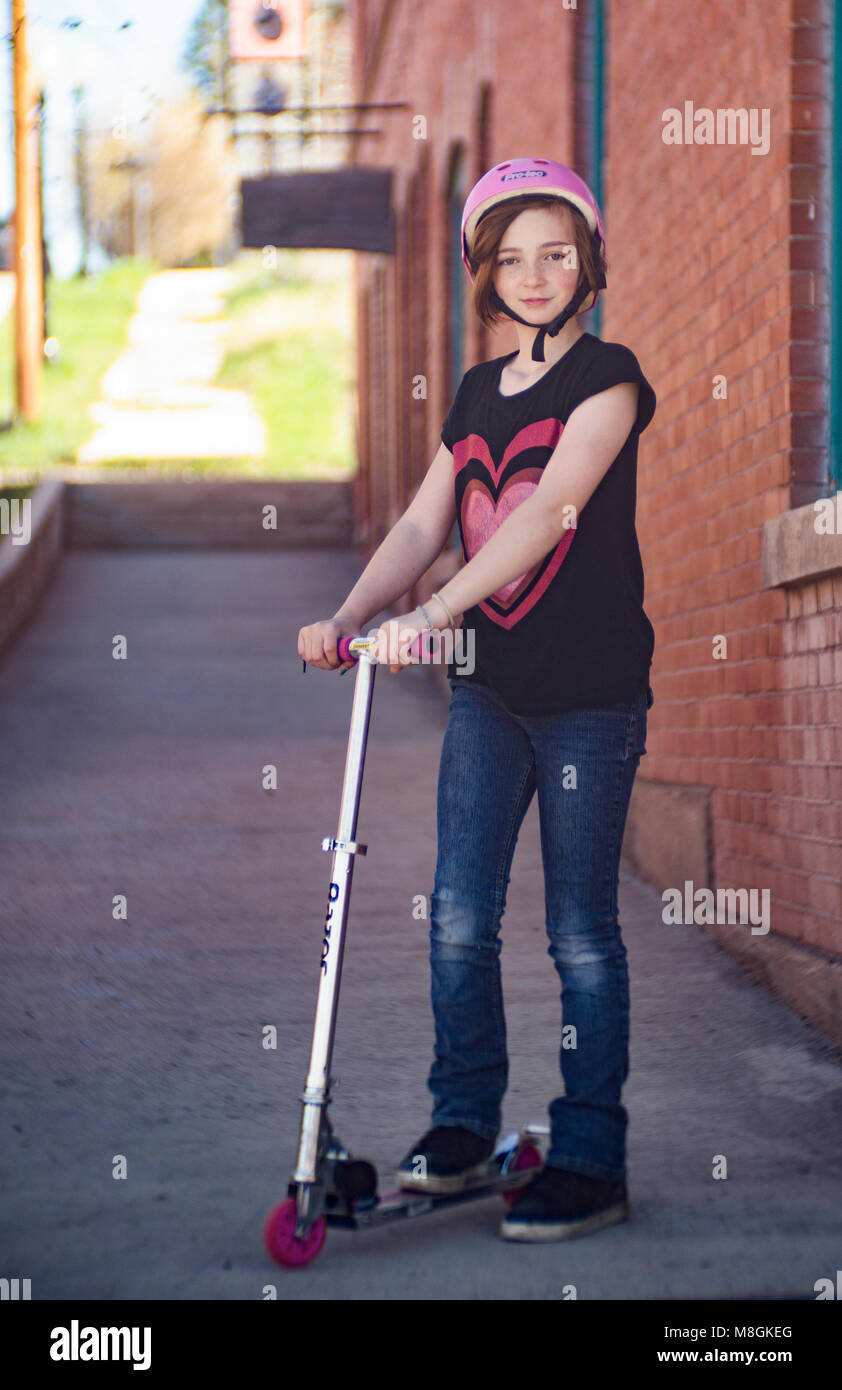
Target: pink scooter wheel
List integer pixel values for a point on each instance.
(529, 1157)
(283, 1244)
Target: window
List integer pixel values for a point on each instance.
(835, 267)
(455, 201)
(588, 116)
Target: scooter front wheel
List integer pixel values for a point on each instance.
(285, 1247)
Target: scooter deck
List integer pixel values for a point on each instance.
(406, 1202)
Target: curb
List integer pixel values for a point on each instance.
(26, 571)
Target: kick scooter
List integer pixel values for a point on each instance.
(330, 1187)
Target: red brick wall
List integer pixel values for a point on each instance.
(737, 264)
(717, 262)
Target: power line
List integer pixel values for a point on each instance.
(72, 25)
(80, 23)
(75, 25)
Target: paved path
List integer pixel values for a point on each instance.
(144, 1038)
(157, 398)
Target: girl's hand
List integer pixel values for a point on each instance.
(396, 636)
(317, 643)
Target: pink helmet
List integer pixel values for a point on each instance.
(512, 179)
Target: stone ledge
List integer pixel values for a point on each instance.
(808, 981)
(668, 835)
(669, 838)
(209, 514)
(793, 552)
(26, 571)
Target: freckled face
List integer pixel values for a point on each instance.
(536, 268)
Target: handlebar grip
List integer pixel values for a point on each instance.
(344, 652)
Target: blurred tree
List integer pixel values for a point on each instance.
(207, 54)
(170, 196)
(109, 195)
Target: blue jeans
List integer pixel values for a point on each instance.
(583, 765)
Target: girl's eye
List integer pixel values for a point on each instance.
(507, 260)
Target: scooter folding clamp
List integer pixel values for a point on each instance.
(347, 846)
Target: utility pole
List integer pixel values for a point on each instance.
(29, 285)
(80, 152)
(45, 258)
(138, 209)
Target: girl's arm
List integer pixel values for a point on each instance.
(592, 438)
(410, 547)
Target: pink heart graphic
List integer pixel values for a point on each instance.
(481, 515)
(481, 518)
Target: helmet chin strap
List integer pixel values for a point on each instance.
(552, 328)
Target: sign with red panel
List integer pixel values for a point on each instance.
(268, 30)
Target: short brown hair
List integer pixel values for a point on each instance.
(490, 232)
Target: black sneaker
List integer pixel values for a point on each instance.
(446, 1160)
(558, 1204)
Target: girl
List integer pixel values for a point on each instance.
(538, 465)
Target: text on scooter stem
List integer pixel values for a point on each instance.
(333, 894)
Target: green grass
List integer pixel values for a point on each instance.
(249, 291)
(289, 346)
(301, 384)
(89, 317)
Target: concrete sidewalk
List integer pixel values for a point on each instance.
(143, 1038)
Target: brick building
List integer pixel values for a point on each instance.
(724, 270)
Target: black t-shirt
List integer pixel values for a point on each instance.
(571, 633)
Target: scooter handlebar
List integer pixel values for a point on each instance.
(348, 650)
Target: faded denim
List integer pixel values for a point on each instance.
(492, 763)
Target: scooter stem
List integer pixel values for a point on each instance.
(316, 1094)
